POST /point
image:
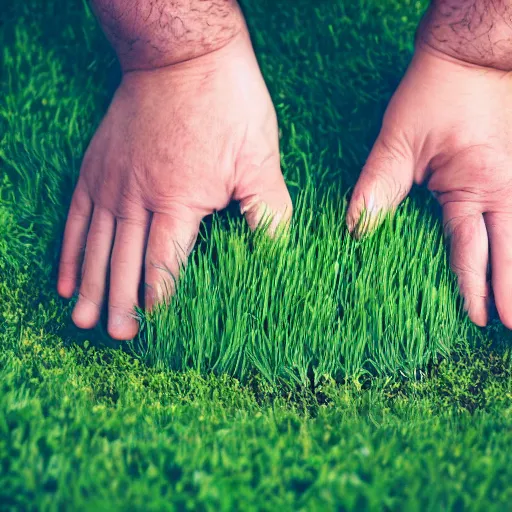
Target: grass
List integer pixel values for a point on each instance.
(318, 373)
(92, 429)
(312, 307)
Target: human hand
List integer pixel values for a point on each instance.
(449, 125)
(176, 144)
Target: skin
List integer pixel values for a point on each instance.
(179, 142)
(192, 127)
(449, 126)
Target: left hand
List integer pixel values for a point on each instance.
(176, 144)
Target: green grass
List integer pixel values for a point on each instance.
(316, 373)
(312, 306)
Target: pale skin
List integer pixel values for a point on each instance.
(449, 126)
(179, 141)
(192, 127)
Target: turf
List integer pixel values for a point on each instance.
(318, 372)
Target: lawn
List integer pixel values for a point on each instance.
(316, 373)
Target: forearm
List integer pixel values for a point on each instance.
(474, 31)
(147, 34)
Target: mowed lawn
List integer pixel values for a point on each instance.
(318, 372)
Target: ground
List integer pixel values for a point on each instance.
(316, 373)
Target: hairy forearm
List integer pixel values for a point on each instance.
(147, 34)
(474, 31)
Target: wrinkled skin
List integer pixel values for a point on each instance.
(449, 126)
(176, 144)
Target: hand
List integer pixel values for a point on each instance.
(449, 125)
(176, 144)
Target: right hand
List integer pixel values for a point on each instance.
(449, 125)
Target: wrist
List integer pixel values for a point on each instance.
(152, 34)
(195, 75)
(474, 32)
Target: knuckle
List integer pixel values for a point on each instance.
(122, 305)
(81, 202)
(122, 302)
(462, 220)
(163, 269)
(464, 230)
(92, 157)
(87, 296)
(91, 292)
(131, 213)
(378, 181)
(392, 149)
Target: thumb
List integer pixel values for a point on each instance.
(385, 181)
(263, 196)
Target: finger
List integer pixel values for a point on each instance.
(469, 257)
(94, 271)
(263, 196)
(385, 181)
(125, 275)
(75, 235)
(499, 227)
(171, 238)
